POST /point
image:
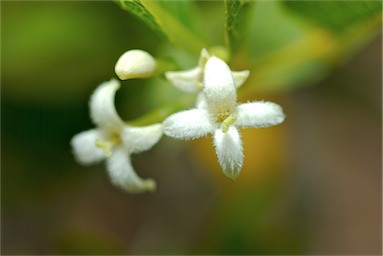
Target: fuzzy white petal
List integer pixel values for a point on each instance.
(259, 114)
(185, 80)
(228, 147)
(189, 124)
(201, 101)
(122, 174)
(84, 147)
(240, 77)
(135, 64)
(102, 107)
(139, 139)
(219, 86)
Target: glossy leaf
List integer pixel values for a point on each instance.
(136, 8)
(174, 21)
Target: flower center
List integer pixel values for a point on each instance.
(226, 118)
(107, 145)
(222, 115)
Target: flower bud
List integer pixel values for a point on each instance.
(135, 64)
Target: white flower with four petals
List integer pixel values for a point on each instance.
(220, 115)
(114, 141)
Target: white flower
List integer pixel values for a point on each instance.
(135, 64)
(114, 141)
(191, 80)
(220, 116)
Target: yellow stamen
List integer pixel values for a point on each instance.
(222, 115)
(227, 122)
(106, 146)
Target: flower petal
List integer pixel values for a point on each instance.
(189, 124)
(185, 80)
(102, 109)
(135, 64)
(122, 174)
(219, 87)
(201, 101)
(228, 147)
(240, 77)
(139, 139)
(84, 147)
(203, 58)
(259, 114)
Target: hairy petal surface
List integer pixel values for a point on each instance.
(259, 114)
(201, 101)
(122, 174)
(219, 88)
(139, 139)
(189, 124)
(84, 147)
(229, 150)
(102, 107)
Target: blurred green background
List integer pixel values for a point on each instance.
(310, 186)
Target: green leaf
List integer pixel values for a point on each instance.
(336, 15)
(236, 14)
(175, 21)
(135, 7)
